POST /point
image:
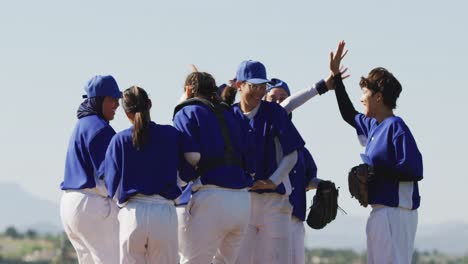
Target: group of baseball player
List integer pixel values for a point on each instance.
(227, 182)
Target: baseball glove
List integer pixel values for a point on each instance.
(358, 180)
(324, 205)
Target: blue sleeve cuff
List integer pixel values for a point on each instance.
(321, 87)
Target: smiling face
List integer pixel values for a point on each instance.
(251, 94)
(109, 106)
(371, 102)
(276, 95)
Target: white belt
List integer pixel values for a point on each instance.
(88, 191)
(378, 206)
(155, 199)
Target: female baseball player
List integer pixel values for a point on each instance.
(214, 143)
(88, 216)
(303, 177)
(394, 156)
(141, 172)
(304, 174)
(268, 238)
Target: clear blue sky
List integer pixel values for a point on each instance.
(49, 49)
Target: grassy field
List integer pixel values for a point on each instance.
(14, 248)
(55, 249)
(38, 250)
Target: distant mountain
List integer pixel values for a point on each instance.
(345, 232)
(448, 237)
(22, 210)
(349, 232)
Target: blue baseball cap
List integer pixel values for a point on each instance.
(252, 71)
(102, 86)
(277, 83)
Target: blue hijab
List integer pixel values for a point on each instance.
(91, 106)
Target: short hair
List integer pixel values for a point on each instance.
(383, 81)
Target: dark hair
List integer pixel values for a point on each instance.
(135, 100)
(91, 106)
(203, 85)
(229, 94)
(383, 81)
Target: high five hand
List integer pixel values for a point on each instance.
(335, 59)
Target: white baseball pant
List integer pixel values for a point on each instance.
(214, 223)
(180, 210)
(148, 231)
(268, 238)
(390, 235)
(297, 240)
(90, 222)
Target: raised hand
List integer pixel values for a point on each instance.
(330, 83)
(335, 58)
(193, 68)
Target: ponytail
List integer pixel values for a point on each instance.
(136, 101)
